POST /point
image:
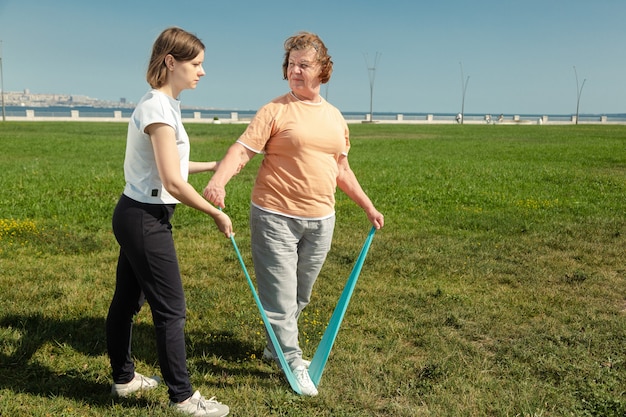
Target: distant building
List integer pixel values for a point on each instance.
(27, 99)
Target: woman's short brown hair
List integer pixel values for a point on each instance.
(179, 43)
(305, 40)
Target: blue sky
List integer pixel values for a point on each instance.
(519, 56)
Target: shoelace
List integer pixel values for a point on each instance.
(145, 382)
(204, 403)
(302, 378)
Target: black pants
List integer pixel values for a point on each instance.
(147, 269)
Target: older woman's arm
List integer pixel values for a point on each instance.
(236, 158)
(348, 183)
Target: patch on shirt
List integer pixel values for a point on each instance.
(155, 192)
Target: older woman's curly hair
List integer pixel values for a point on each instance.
(305, 40)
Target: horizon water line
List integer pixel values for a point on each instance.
(352, 116)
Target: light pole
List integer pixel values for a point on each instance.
(4, 117)
(371, 72)
(579, 92)
(464, 83)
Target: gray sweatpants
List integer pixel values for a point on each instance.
(288, 255)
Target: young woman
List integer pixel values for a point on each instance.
(156, 168)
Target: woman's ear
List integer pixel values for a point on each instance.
(169, 62)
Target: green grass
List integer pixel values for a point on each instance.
(496, 288)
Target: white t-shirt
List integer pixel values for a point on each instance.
(143, 183)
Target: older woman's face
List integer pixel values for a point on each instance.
(303, 71)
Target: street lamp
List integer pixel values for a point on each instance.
(371, 72)
(464, 83)
(579, 92)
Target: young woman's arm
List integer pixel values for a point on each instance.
(166, 155)
(197, 167)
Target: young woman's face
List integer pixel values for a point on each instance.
(186, 74)
(303, 71)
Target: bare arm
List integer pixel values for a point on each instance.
(236, 158)
(348, 183)
(167, 161)
(197, 167)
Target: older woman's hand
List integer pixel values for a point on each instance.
(376, 218)
(215, 194)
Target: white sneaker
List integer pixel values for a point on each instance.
(304, 381)
(197, 405)
(267, 356)
(138, 383)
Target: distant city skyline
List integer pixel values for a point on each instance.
(508, 57)
(27, 98)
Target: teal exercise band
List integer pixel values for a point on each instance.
(328, 339)
(279, 352)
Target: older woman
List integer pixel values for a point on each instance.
(305, 142)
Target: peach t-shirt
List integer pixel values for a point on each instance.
(301, 143)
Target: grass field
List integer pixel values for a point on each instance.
(496, 288)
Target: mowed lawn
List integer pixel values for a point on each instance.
(496, 288)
